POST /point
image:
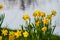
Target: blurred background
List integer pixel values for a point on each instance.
(14, 10)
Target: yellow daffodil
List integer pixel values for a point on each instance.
(1, 6)
(36, 13)
(37, 23)
(44, 28)
(26, 17)
(54, 12)
(42, 14)
(4, 32)
(49, 16)
(11, 35)
(25, 34)
(0, 37)
(18, 33)
(45, 21)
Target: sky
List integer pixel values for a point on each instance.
(13, 13)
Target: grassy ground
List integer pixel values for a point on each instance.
(53, 37)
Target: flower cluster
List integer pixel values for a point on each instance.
(13, 34)
(42, 25)
(40, 28)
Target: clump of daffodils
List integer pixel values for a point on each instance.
(41, 25)
(38, 13)
(36, 30)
